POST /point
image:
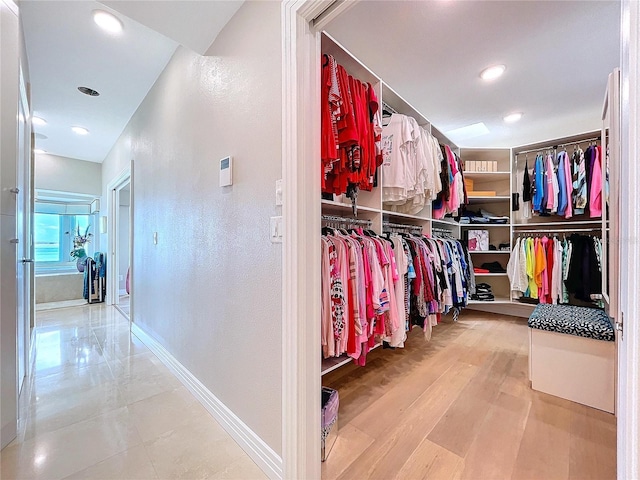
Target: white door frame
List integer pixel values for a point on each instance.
(628, 408)
(301, 194)
(301, 383)
(123, 178)
(25, 259)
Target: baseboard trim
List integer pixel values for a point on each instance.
(267, 459)
(7, 434)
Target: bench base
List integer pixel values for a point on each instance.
(574, 368)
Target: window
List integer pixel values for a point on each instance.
(53, 238)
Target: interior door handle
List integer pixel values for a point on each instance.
(15, 190)
(27, 260)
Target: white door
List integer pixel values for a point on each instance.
(9, 51)
(24, 269)
(611, 198)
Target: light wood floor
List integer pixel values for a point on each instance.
(460, 406)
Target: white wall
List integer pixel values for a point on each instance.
(210, 291)
(65, 174)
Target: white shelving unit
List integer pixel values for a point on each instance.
(369, 204)
(499, 204)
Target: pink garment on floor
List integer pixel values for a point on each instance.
(595, 192)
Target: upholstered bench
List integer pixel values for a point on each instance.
(572, 354)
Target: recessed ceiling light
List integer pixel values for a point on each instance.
(107, 22)
(513, 117)
(89, 91)
(491, 73)
(38, 121)
(80, 130)
(39, 150)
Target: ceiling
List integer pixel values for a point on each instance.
(66, 50)
(558, 55)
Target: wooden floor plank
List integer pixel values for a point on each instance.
(460, 406)
(431, 461)
(459, 426)
(388, 453)
(493, 453)
(593, 445)
(350, 444)
(544, 450)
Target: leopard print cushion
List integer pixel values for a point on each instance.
(572, 320)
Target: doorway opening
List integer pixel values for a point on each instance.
(121, 244)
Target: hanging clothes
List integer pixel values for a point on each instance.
(350, 131)
(554, 271)
(376, 289)
(411, 165)
(579, 178)
(595, 188)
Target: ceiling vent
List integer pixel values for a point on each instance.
(88, 91)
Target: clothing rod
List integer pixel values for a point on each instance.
(401, 225)
(559, 230)
(554, 147)
(386, 106)
(353, 221)
(439, 229)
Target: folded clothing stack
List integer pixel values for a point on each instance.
(483, 216)
(483, 293)
(492, 267)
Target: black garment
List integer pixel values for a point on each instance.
(493, 267)
(589, 159)
(584, 277)
(526, 183)
(445, 193)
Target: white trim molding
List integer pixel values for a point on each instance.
(251, 443)
(112, 214)
(301, 303)
(301, 397)
(629, 346)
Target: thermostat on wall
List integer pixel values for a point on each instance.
(226, 171)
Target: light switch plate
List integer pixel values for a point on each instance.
(275, 229)
(278, 192)
(226, 171)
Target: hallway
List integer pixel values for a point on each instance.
(100, 405)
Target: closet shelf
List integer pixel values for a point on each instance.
(497, 301)
(333, 363)
(331, 205)
(561, 223)
(446, 221)
(490, 251)
(488, 175)
(490, 199)
(404, 216)
(480, 226)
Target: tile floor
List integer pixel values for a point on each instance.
(100, 405)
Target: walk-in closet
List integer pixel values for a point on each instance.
(469, 288)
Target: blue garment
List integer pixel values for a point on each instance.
(563, 159)
(538, 174)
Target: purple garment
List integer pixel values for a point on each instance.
(545, 190)
(589, 160)
(563, 195)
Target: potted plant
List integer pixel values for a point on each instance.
(79, 252)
